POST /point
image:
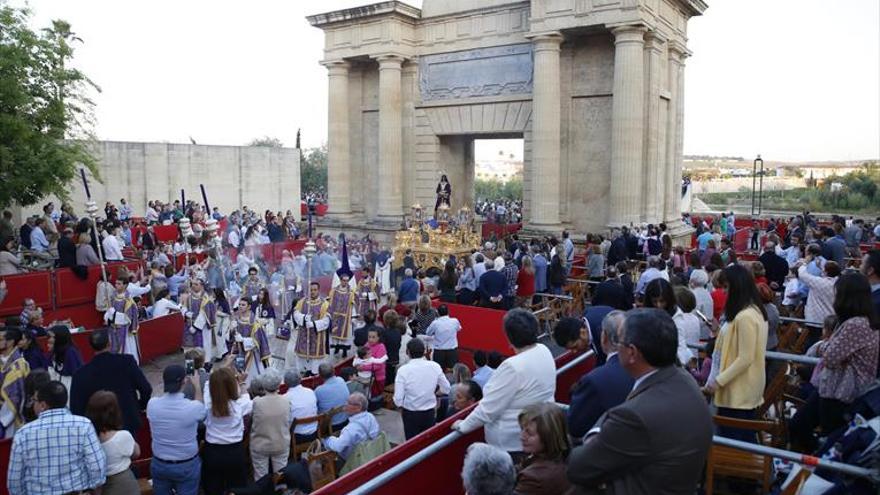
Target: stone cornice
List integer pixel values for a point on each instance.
(359, 14)
(694, 7)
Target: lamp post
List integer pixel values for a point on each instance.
(760, 182)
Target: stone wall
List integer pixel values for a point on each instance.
(259, 177)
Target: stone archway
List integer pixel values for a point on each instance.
(595, 89)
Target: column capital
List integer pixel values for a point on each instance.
(678, 51)
(629, 33)
(390, 60)
(410, 65)
(338, 66)
(654, 40)
(549, 40)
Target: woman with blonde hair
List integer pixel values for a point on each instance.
(424, 315)
(545, 441)
(525, 282)
(85, 253)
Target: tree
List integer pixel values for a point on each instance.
(313, 170)
(266, 141)
(46, 115)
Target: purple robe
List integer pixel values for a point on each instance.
(251, 290)
(12, 393)
(192, 336)
(118, 333)
(247, 326)
(311, 343)
(365, 288)
(341, 303)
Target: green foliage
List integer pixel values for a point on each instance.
(266, 141)
(45, 112)
(491, 189)
(313, 170)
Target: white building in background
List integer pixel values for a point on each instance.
(502, 166)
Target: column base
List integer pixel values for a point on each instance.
(679, 232)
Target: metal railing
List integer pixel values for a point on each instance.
(774, 356)
(557, 296)
(801, 321)
(437, 446)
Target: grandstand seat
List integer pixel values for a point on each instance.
(297, 449)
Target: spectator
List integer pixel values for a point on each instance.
(111, 244)
(223, 456)
(525, 282)
(611, 293)
(848, 363)
(424, 315)
(483, 372)
(9, 262)
(408, 293)
(718, 294)
(31, 351)
(331, 394)
(768, 297)
(698, 281)
(661, 435)
(118, 444)
(493, 286)
(659, 294)
(604, 387)
(444, 332)
(739, 386)
(871, 269)
(415, 390)
(556, 275)
(820, 299)
(117, 373)
(303, 404)
(686, 321)
(270, 426)
(85, 253)
(39, 242)
(448, 282)
(527, 378)
(360, 334)
(465, 394)
(72, 462)
(653, 272)
(488, 470)
(775, 266)
(174, 419)
(64, 358)
(545, 440)
(66, 249)
(362, 426)
(392, 337)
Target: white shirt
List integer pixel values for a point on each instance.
(445, 332)
(524, 379)
(151, 215)
(642, 378)
(135, 290)
(416, 382)
(118, 450)
(112, 249)
(164, 306)
(228, 429)
(303, 404)
(688, 325)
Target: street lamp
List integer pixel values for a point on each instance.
(760, 183)
(754, 178)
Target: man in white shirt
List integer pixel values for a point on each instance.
(111, 245)
(39, 242)
(415, 389)
(164, 304)
(303, 403)
(444, 332)
(479, 267)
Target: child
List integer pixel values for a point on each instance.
(791, 298)
(379, 355)
(364, 364)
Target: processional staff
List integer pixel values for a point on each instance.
(92, 209)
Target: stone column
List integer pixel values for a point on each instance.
(545, 191)
(390, 139)
(338, 159)
(674, 134)
(627, 123)
(654, 176)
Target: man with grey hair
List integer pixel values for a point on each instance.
(408, 293)
(270, 426)
(488, 470)
(698, 281)
(333, 393)
(655, 270)
(605, 386)
(362, 426)
(303, 403)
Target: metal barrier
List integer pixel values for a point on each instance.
(437, 446)
(773, 355)
(806, 323)
(557, 296)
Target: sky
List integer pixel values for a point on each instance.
(789, 79)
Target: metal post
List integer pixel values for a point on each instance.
(760, 184)
(754, 176)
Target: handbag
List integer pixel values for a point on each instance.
(320, 464)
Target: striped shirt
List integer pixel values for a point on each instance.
(57, 453)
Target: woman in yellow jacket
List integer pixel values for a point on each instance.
(739, 386)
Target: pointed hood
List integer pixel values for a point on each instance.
(344, 270)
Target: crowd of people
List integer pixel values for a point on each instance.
(253, 329)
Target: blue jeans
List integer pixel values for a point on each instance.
(183, 477)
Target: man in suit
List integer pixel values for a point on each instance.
(66, 249)
(605, 386)
(774, 265)
(657, 441)
(118, 373)
(611, 292)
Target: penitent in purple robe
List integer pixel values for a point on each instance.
(121, 303)
(248, 327)
(311, 339)
(341, 305)
(12, 392)
(192, 334)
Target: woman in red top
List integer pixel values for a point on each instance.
(525, 282)
(719, 293)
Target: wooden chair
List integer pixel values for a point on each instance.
(774, 396)
(328, 463)
(327, 423)
(296, 450)
(796, 485)
(727, 461)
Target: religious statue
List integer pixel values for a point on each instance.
(201, 317)
(122, 318)
(310, 315)
(444, 192)
(248, 339)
